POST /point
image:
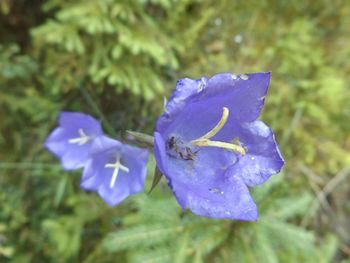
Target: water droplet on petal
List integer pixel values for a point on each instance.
(234, 77)
(244, 76)
(216, 191)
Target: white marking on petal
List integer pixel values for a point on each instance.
(116, 166)
(200, 87)
(216, 191)
(80, 140)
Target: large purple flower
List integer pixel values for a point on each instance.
(115, 170)
(210, 145)
(72, 140)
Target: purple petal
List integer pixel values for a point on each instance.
(76, 120)
(243, 97)
(228, 197)
(71, 156)
(159, 152)
(137, 159)
(263, 158)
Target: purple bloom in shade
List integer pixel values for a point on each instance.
(211, 147)
(115, 170)
(72, 140)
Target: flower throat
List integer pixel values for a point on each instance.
(177, 147)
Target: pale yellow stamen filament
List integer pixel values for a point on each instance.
(226, 145)
(205, 141)
(80, 140)
(116, 166)
(218, 126)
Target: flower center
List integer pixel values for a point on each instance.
(205, 141)
(116, 166)
(80, 140)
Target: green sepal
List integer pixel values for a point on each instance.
(156, 178)
(141, 139)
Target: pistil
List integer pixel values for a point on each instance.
(80, 140)
(204, 141)
(116, 166)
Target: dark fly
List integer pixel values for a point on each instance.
(184, 153)
(188, 155)
(172, 143)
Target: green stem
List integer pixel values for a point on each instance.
(146, 139)
(28, 165)
(94, 106)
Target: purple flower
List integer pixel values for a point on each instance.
(115, 170)
(211, 147)
(72, 140)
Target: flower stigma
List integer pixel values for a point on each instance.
(116, 166)
(80, 140)
(205, 141)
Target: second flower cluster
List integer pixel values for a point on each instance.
(113, 169)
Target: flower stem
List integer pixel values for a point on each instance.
(146, 139)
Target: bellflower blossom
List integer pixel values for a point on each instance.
(211, 147)
(72, 140)
(115, 170)
(112, 169)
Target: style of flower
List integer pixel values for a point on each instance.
(211, 147)
(115, 170)
(72, 140)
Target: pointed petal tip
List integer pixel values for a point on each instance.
(253, 215)
(69, 166)
(109, 200)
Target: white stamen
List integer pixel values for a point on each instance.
(205, 141)
(80, 140)
(116, 166)
(218, 126)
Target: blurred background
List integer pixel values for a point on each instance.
(115, 60)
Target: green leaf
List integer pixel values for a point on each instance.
(144, 235)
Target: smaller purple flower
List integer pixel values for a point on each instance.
(115, 170)
(72, 140)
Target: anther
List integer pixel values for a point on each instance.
(80, 140)
(116, 166)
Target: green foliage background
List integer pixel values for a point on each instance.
(115, 59)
